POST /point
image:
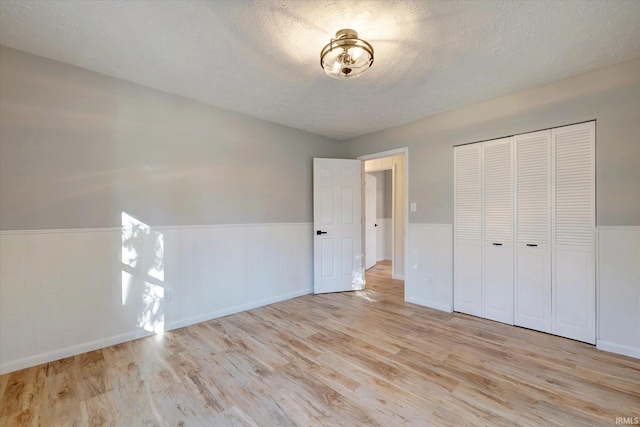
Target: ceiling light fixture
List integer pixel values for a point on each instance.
(346, 56)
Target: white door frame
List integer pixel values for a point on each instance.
(389, 153)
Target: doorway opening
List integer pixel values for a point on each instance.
(339, 222)
(378, 214)
(389, 165)
(379, 281)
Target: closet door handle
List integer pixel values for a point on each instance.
(319, 232)
(533, 245)
(497, 244)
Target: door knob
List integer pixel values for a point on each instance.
(320, 232)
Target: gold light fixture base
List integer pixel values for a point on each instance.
(346, 56)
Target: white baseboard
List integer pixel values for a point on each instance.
(429, 304)
(617, 348)
(134, 335)
(73, 350)
(237, 309)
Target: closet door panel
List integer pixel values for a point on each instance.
(533, 231)
(468, 278)
(498, 283)
(497, 174)
(533, 301)
(467, 230)
(574, 295)
(574, 231)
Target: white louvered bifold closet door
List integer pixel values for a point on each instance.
(533, 231)
(574, 231)
(467, 229)
(497, 174)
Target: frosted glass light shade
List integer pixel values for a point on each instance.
(346, 56)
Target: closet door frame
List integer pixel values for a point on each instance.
(570, 250)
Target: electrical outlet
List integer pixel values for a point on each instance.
(167, 295)
(414, 207)
(429, 279)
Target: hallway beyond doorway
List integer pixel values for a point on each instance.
(379, 280)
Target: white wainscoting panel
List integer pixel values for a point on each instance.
(65, 292)
(619, 290)
(430, 278)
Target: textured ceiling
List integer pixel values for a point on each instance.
(262, 57)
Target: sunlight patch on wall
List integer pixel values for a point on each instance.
(143, 288)
(142, 247)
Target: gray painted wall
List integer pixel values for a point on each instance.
(384, 205)
(78, 148)
(610, 95)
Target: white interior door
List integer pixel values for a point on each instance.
(337, 221)
(371, 200)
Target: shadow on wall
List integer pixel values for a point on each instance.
(143, 288)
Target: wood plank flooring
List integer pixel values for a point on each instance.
(348, 359)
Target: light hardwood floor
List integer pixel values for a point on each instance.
(352, 359)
